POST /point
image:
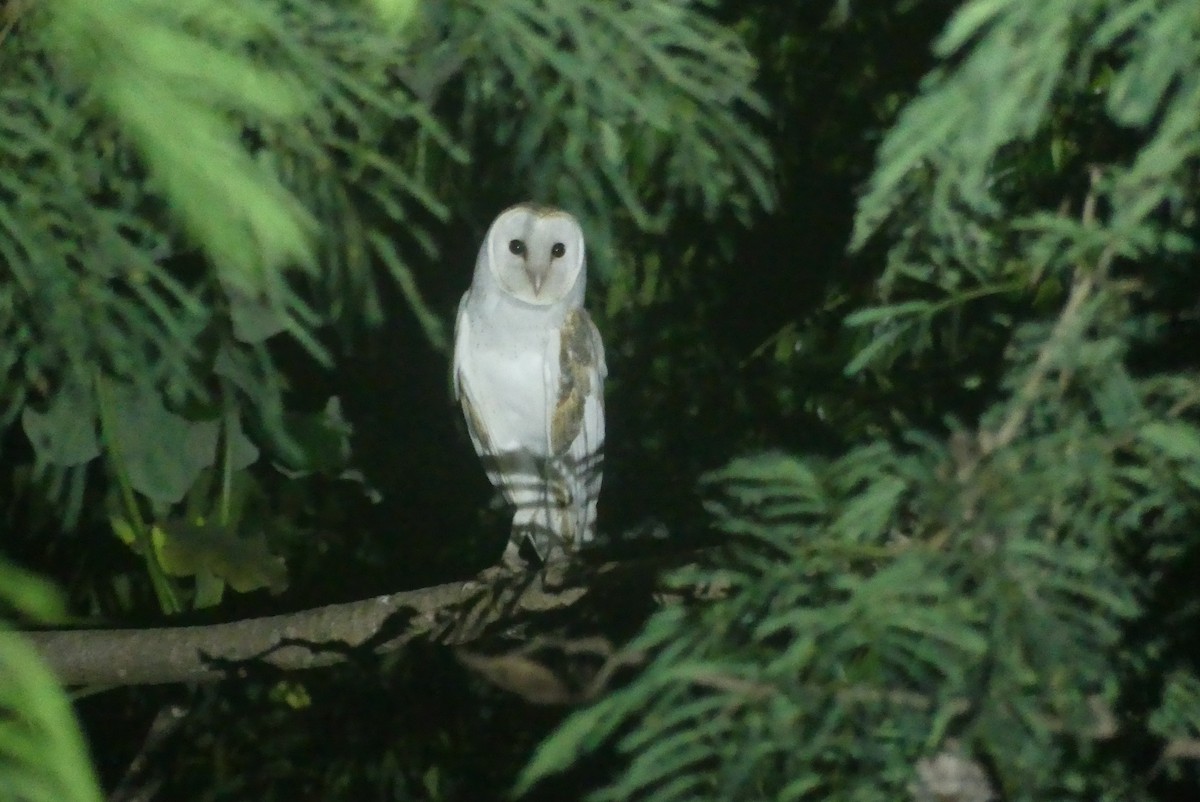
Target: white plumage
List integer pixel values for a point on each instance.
(529, 372)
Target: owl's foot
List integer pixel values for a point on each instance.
(554, 572)
(512, 559)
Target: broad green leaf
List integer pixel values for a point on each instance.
(243, 452)
(65, 434)
(162, 452)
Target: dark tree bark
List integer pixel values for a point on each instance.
(520, 605)
(453, 613)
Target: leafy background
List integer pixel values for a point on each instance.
(950, 473)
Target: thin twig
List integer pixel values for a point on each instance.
(1083, 286)
(135, 786)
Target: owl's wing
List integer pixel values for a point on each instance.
(576, 425)
(461, 343)
(476, 426)
(509, 472)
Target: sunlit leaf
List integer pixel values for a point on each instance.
(186, 548)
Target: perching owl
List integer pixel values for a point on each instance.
(529, 372)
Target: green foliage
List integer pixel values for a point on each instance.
(189, 190)
(253, 123)
(992, 96)
(660, 91)
(993, 593)
(42, 754)
(187, 183)
(188, 63)
(1177, 720)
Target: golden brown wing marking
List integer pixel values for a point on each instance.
(576, 354)
(475, 423)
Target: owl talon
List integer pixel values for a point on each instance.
(512, 559)
(554, 573)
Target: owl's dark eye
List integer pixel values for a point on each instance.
(558, 250)
(516, 246)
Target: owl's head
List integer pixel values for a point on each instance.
(535, 254)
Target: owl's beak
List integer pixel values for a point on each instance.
(536, 277)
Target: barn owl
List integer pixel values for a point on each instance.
(529, 373)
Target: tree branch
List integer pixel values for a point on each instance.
(453, 613)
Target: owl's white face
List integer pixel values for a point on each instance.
(535, 253)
